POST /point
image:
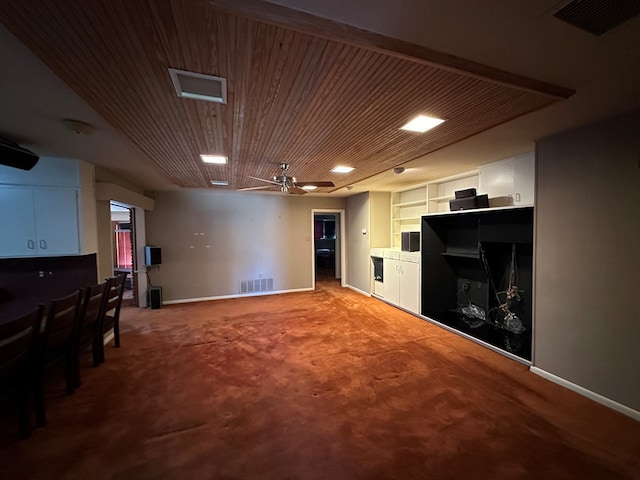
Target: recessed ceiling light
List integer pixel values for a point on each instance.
(421, 124)
(219, 183)
(219, 159)
(309, 187)
(341, 169)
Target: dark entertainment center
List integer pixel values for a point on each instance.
(477, 275)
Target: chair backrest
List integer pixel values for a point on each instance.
(114, 295)
(93, 304)
(17, 341)
(61, 320)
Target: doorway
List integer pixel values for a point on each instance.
(124, 249)
(328, 246)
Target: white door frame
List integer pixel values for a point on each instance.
(341, 239)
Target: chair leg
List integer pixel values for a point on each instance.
(116, 333)
(24, 425)
(95, 351)
(69, 376)
(38, 404)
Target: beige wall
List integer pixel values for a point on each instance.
(358, 259)
(587, 308)
(211, 241)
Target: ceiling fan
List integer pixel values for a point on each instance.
(286, 183)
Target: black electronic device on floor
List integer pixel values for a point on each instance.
(155, 297)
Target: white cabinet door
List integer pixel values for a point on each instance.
(56, 214)
(38, 222)
(510, 181)
(391, 269)
(524, 180)
(410, 286)
(18, 237)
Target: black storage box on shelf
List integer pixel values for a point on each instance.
(466, 193)
(410, 242)
(482, 201)
(468, 203)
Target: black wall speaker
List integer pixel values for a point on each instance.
(12, 155)
(152, 255)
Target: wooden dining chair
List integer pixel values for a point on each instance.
(111, 318)
(57, 346)
(17, 348)
(89, 327)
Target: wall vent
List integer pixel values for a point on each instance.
(256, 286)
(199, 86)
(598, 16)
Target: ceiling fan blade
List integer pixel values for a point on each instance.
(296, 190)
(253, 188)
(316, 184)
(264, 180)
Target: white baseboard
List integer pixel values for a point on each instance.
(596, 397)
(361, 292)
(238, 295)
(108, 337)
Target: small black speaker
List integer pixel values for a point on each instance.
(152, 255)
(12, 155)
(155, 297)
(410, 241)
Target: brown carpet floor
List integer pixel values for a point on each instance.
(327, 384)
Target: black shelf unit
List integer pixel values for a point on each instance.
(470, 260)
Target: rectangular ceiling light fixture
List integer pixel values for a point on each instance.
(421, 124)
(219, 183)
(217, 159)
(199, 86)
(341, 169)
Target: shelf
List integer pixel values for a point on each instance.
(409, 204)
(442, 199)
(461, 254)
(403, 219)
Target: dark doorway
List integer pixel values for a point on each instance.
(324, 238)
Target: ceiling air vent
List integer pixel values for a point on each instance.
(199, 86)
(598, 16)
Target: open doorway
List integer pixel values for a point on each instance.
(328, 246)
(124, 249)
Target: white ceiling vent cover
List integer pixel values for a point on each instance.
(199, 86)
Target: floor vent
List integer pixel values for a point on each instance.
(598, 16)
(256, 286)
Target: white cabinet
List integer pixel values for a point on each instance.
(39, 221)
(510, 181)
(402, 279)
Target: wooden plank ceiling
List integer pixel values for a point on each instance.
(308, 99)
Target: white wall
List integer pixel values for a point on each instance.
(587, 307)
(211, 241)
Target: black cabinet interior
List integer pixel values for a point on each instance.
(477, 275)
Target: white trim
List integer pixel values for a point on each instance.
(108, 337)
(596, 397)
(235, 295)
(361, 292)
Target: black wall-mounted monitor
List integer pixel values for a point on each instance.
(152, 255)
